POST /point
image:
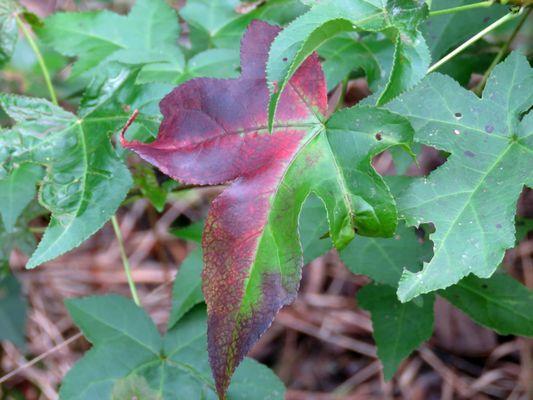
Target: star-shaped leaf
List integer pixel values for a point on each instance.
(130, 358)
(471, 199)
(216, 131)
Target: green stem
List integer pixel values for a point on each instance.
(40, 59)
(501, 53)
(474, 39)
(466, 7)
(125, 261)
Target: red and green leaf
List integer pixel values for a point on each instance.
(216, 131)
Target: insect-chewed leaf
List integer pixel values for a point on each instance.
(472, 198)
(215, 131)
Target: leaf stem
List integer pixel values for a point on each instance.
(125, 261)
(473, 39)
(466, 7)
(40, 59)
(501, 53)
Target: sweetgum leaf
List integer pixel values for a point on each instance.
(129, 357)
(471, 199)
(8, 29)
(398, 328)
(85, 181)
(13, 307)
(215, 131)
(148, 34)
(329, 18)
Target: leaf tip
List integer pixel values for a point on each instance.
(130, 121)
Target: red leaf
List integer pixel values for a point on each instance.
(215, 131)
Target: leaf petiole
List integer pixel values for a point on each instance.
(507, 17)
(125, 261)
(466, 7)
(40, 59)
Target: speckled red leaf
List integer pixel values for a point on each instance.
(216, 131)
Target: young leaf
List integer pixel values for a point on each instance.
(8, 29)
(329, 18)
(500, 303)
(398, 328)
(148, 34)
(16, 192)
(13, 307)
(130, 357)
(187, 289)
(215, 131)
(471, 199)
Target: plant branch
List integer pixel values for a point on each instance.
(474, 39)
(466, 7)
(125, 261)
(501, 53)
(40, 59)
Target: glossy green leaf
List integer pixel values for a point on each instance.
(127, 344)
(500, 303)
(399, 328)
(471, 199)
(329, 18)
(8, 29)
(313, 228)
(85, 181)
(17, 190)
(13, 308)
(145, 178)
(444, 32)
(187, 289)
(148, 34)
(383, 259)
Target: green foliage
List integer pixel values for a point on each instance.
(129, 357)
(12, 311)
(471, 199)
(8, 29)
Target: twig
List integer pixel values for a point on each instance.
(501, 53)
(40, 59)
(125, 261)
(474, 39)
(466, 7)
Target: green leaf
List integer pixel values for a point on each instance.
(192, 232)
(443, 32)
(17, 190)
(187, 289)
(329, 18)
(399, 328)
(217, 23)
(471, 199)
(8, 29)
(313, 226)
(213, 63)
(344, 54)
(384, 259)
(126, 344)
(13, 307)
(500, 303)
(146, 180)
(148, 34)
